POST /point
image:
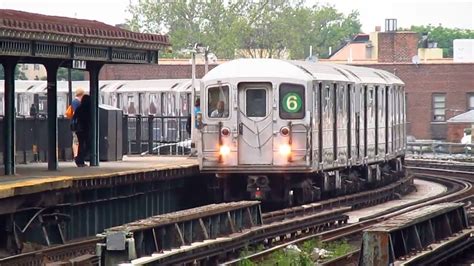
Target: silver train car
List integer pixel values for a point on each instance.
(294, 131)
(166, 97)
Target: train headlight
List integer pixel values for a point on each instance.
(224, 150)
(284, 131)
(285, 149)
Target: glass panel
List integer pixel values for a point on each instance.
(131, 105)
(153, 100)
(438, 98)
(292, 101)
(439, 118)
(439, 111)
(218, 102)
(471, 102)
(256, 102)
(439, 105)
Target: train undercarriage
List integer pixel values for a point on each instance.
(296, 189)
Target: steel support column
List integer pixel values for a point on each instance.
(94, 70)
(9, 119)
(52, 70)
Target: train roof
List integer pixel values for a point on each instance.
(276, 68)
(147, 85)
(23, 85)
(255, 69)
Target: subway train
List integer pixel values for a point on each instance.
(165, 97)
(292, 132)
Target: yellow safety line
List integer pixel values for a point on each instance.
(8, 190)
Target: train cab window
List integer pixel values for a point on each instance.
(292, 101)
(439, 107)
(218, 102)
(256, 102)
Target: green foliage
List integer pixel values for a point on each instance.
(254, 27)
(282, 257)
(75, 74)
(18, 73)
(444, 36)
(338, 248)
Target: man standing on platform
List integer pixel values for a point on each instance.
(75, 103)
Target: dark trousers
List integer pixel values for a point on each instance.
(84, 146)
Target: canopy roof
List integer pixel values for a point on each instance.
(467, 117)
(33, 35)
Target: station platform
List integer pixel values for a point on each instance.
(34, 177)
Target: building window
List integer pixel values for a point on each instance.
(439, 107)
(470, 101)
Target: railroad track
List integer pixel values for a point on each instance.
(448, 173)
(298, 214)
(460, 189)
(327, 228)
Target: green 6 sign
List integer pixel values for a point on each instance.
(292, 102)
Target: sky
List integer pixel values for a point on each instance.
(454, 14)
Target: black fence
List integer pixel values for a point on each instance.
(156, 135)
(163, 135)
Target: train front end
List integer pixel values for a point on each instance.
(255, 127)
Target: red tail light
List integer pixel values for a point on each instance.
(225, 131)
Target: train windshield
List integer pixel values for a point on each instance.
(218, 102)
(292, 101)
(256, 102)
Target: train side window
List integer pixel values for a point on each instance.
(152, 99)
(162, 108)
(218, 102)
(292, 101)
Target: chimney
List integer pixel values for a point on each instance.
(396, 46)
(378, 28)
(390, 25)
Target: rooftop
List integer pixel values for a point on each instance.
(24, 25)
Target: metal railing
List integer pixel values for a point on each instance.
(438, 149)
(156, 135)
(162, 135)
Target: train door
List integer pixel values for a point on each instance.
(328, 118)
(255, 123)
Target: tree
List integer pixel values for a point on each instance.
(18, 73)
(444, 36)
(75, 74)
(264, 28)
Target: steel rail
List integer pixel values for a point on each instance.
(468, 180)
(460, 188)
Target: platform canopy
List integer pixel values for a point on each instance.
(65, 42)
(33, 36)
